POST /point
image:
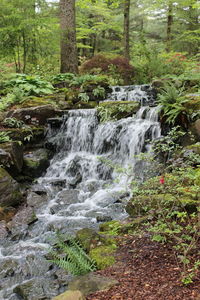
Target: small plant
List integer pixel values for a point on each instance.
(30, 85)
(83, 97)
(172, 101)
(99, 91)
(4, 137)
(13, 123)
(67, 77)
(68, 254)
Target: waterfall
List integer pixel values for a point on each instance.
(88, 178)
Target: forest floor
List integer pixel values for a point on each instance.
(146, 270)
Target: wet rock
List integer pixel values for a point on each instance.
(59, 182)
(38, 189)
(3, 230)
(35, 163)
(38, 113)
(11, 156)
(55, 122)
(70, 295)
(35, 200)
(7, 267)
(9, 190)
(68, 196)
(91, 283)
(103, 219)
(37, 289)
(21, 220)
(63, 277)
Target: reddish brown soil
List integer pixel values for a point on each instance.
(146, 270)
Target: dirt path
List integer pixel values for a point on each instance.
(146, 270)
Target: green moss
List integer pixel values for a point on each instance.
(36, 101)
(110, 227)
(16, 196)
(103, 256)
(30, 163)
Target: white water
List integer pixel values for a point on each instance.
(86, 164)
(142, 93)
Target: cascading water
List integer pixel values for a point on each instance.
(83, 184)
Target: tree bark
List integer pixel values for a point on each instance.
(169, 26)
(127, 29)
(69, 57)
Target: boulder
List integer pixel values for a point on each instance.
(36, 289)
(3, 230)
(91, 283)
(35, 162)
(33, 115)
(10, 194)
(11, 156)
(35, 200)
(70, 295)
(21, 220)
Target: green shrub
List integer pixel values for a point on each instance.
(4, 137)
(30, 85)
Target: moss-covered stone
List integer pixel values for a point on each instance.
(70, 295)
(11, 156)
(88, 238)
(110, 226)
(103, 256)
(9, 190)
(91, 283)
(35, 162)
(36, 101)
(117, 109)
(91, 239)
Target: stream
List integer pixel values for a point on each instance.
(87, 182)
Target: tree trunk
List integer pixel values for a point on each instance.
(169, 26)
(126, 29)
(69, 57)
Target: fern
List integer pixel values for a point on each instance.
(71, 256)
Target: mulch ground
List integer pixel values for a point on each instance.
(146, 270)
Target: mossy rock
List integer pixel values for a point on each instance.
(110, 227)
(35, 163)
(9, 190)
(70, 295)
(11, 156)
(119, 109)
(88, 238)
(91, 239)
(36, 101)
(193, 102)
(195, 148)
(103, 256)
(85, 105)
